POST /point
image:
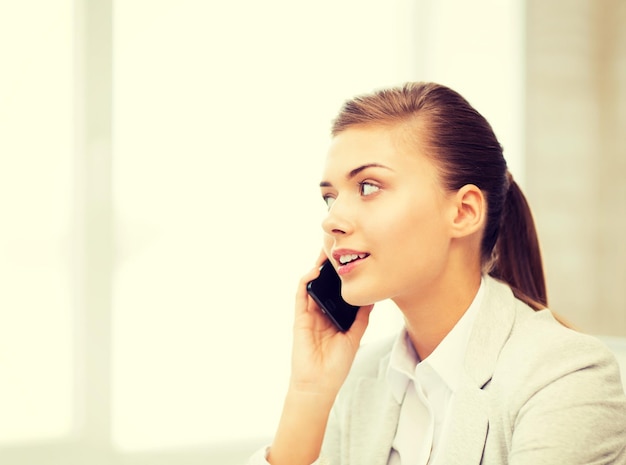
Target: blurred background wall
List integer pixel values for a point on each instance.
(158, 171)
(575, 156)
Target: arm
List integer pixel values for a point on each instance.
(321, 359)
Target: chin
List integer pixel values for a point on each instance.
(360, 300)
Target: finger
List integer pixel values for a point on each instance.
(303, 300)
(360, 323)
(321, 258)
(310, 276)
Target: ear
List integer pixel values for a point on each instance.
(470, 211)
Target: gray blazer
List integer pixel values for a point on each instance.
(533, 393)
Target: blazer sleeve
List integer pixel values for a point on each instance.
(260, 458)
(575, 415)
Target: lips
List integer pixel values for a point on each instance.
(347, 259)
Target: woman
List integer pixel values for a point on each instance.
(422, 210)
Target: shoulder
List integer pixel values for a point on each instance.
(534, 340)
(516, 352)
(543, 356)
(538, 340)
(553, 385)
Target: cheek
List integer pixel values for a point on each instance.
(418, 232)
(327, 244)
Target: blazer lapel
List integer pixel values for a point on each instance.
(375, 412)
(373, 424)
(467, 430)
(469, 414)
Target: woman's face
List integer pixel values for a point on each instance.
(387, 231)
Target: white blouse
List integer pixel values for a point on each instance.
(425, 390)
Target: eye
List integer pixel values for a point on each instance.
(328, 200)
(367, 188)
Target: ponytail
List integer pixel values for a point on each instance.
(517, 256)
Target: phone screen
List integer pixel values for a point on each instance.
(326, 291)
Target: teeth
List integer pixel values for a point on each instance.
(350, 257)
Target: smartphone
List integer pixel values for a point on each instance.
(326, 292)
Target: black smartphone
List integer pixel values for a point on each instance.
(326, 291)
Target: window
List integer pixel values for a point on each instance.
(221, 127)
(36, 188)
(160, 202)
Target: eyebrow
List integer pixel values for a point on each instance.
(356, 171)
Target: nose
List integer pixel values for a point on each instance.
(337, 221)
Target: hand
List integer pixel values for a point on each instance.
(321, 359)
(322, 355)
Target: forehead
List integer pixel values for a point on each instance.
(386, 145)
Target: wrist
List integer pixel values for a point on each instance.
(312, 393)
(300, 433)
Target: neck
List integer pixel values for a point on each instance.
(432, 312)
